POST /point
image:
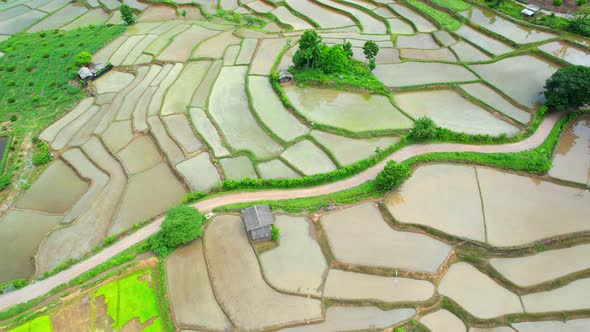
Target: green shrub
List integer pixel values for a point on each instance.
(568, 87)
(183, 13)
(83, 58)
(444, 19)
(455, 5)
(13, 118)
(5, 181)
(181, 225)
(275, 233)
(193, 196)
(43, 155)
(333, 59)
(309, 51)
(424, 128)
(370, 49)
(581, 2)
(392, 175)
(12, 285)
(127, 14)
(557, 2)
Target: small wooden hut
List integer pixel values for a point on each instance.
(258, 221)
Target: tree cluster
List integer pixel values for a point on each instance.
(335, 59)
(392, 175)
(568, 87)
(181, 225)
(127, 14)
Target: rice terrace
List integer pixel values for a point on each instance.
(295, 165)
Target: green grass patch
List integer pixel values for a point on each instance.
(444, 19)
(38, 75)
(39, 324)
(359, 77)
(456, 5)
(130, 297)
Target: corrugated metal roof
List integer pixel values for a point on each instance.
(257, 216)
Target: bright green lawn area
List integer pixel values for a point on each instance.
(35, 75)
(456, 5)
(444, 19)
(36, 70)
(131, 297)
(39, 324)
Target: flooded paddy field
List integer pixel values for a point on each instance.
(191, 102)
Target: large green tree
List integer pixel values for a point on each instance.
(127, 14)
(181, 225)
(568, 87)
(308, 54)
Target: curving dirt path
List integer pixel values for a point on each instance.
(43, 287)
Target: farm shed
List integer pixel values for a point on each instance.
(85, 73)
(258, 221)
(285, 77)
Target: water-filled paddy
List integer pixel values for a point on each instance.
(308, 158)
(20, 235)
(208, 131)
(182, 133)
(519, 209)
(231, 260)
(276, 169)
(182, 45)
(496, 23)
(285, 16)
(199, 172)
(238, 168)
(567, 52)
(147, 194)
(349, 150)
(377, 244)
(495, 100)
(356, 318)
(297, 264)
(419, 41)
(271, 110)
(140, 155)
(55, 191)
(228, 105)
(189, 288)
(421, 23)
(324, 16)
(521, 77)
(420, 200)
(482, 40)
(468, 53)
(181, 92)
(59, 18)
(449, 110)
(419, 73)
(346, 110)
(571, 160)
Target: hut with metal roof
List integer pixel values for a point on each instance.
(258, 221)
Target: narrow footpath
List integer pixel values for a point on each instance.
(45, 286)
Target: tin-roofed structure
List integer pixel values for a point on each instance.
(258, 221)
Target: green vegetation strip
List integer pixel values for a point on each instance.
(444, 19)
(131, 297)
(456, 5)
(38, 78)
(535, 161)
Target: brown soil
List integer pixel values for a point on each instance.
(74, 317)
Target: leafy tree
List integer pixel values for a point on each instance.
(568, 87)
(308, 54)
(182, 224)
(370, 48)
(275, 232)
(4, 181)
(333, 59)
(424, 128)
(347, 48)
(183, 13)
(127, 14)
(372, 64)
(580, 23)
(392, 175)
(43, 155)
(83, 58)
